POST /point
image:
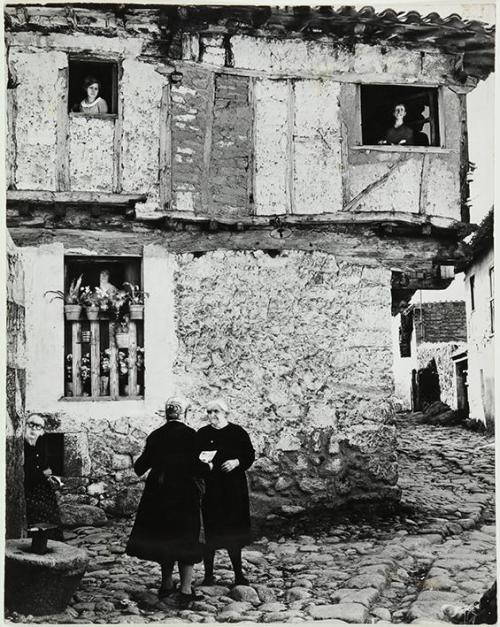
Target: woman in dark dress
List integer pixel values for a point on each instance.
(167, 525)
(226, 512)
(39, 484)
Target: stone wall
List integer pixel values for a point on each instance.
(15, 521)
(301, 348)
(298, 343)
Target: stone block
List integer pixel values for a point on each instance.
(77, 462)
(80, 515)
(348, 612)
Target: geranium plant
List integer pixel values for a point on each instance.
(136, 296)
(72, 296)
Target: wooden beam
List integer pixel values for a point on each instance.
(75, 198)
(207, 147)
(95, 358)
(354, 244)
(76, 352)
(62, 132)
(165, 157)
(117, 135)
(290, 157)
(11, 157)
(114, 388)
(251, 155)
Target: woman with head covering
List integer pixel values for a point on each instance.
(226, 512)
(92, 103)
(167, 525)
(39, 483)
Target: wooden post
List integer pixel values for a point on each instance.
(207, 148)
(62, 134)
(95, 358)
(290, 147)
(117, 135)
(132, 357)
(251, 154)
(165, 182)
(114, 390)
(76, 352)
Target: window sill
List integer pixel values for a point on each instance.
(410, 149)
(96, 399)
(101, 116)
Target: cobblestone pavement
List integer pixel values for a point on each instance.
(398, 567)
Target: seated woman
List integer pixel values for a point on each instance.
(39, 484)
(92, 103)
(398, 134)
(226, 511)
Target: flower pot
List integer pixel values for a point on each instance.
(121, 339)
(136, 312)
(72, 312)
(104, 385)
(92, 312)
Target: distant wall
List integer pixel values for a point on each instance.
(441, 353)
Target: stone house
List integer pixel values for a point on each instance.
(476, 387)
(237, 178)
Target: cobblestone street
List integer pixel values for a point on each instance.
(438, 548)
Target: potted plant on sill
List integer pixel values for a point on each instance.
(72, 299)
(90, 300)
(136, 298)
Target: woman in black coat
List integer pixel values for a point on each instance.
(167, 525)
(226, 511)
(39, 483)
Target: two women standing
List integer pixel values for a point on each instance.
(168, 524)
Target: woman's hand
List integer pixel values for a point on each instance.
(231, 464)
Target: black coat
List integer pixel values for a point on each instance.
(226, 512)
(167, 525)
(41, 500)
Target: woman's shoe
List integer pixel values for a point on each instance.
(163, 593)
(185, 599)
(240, 581)
(208, 581)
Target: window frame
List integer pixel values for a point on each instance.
(75, 332)
(115, 62)
(441, 148)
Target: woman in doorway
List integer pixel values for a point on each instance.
(167, 525)
(39, 483)
(226, 511)
(92, 103)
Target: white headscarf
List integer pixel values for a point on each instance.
(220, 404)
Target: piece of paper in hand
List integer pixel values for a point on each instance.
(207, 456)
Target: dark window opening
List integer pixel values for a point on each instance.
(377, 114)
(104, 341)
(472, 295)
(54, 450)
(104, 72)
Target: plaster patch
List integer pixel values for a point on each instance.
(91, 153)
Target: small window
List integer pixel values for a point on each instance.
(420, 123)
(104, 338)
(472, 295)
(83, 74)
(492, 299)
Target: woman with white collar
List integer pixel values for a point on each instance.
(92, 103)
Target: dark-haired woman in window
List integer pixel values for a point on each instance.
(92, 103)
(399, 134)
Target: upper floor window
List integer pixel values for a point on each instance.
(472, 281)
(93, 86)
(492, 299)
(104, 331)
(396, 115)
